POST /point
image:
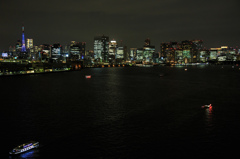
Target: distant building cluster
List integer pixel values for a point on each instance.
(26, 50)
(114, 52)
(110, 52)
(192, 51)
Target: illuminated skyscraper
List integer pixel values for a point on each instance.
(29, 43)
(120, 52)
(23, 41)
(112, 50)
(101, 48)
(133, 53)
(56, 50)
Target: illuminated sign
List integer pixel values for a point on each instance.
(4, 54)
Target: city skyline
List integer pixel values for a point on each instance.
(50, 22)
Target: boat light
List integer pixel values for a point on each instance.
(88, 76)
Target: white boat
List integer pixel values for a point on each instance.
(24, 147)
(207, 106)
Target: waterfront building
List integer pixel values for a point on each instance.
(197, 45)
(133, 54)
(213, 54)
(178, 56)
(77, 50)
(148, 51)
(187, 51)
(101, 48)
(224, 53)
(187, 48)
(203, 56)
(112, 50)
(120, 53)
(56, 50)
(125, 53)
(231, 54)
(139, 56)
(167, 51)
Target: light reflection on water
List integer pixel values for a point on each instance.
(209, 118)
(29, 154)
(124, 112)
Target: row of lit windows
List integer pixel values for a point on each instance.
(26, 148)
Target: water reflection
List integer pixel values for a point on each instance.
(28, 154)
(209, 117)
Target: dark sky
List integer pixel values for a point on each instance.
(215, 22)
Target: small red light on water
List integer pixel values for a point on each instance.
(89, 76)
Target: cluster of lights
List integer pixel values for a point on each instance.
(28, 148)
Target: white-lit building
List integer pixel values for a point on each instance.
(101, 48)
(112, 50)
(133, 53)
(29, 44)
(120, 53)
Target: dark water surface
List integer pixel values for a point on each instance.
(123, 113)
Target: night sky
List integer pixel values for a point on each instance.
(217, 23)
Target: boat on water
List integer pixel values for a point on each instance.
(88, 76)
(207, 106)
(24, 147)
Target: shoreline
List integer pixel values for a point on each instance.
(31, 72)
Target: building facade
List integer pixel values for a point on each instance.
(101, 48)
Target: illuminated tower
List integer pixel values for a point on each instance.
(101, 46)
(23, 41)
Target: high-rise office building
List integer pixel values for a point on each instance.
(146, 53)
(139, 56)
(186, 52)
(120, 52)
(56, 50)
(77, 50)
(29, 43)
(101, 48)
(133, 54)
(112, 51)
(30, 49)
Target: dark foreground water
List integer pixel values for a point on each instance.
(123, 113)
